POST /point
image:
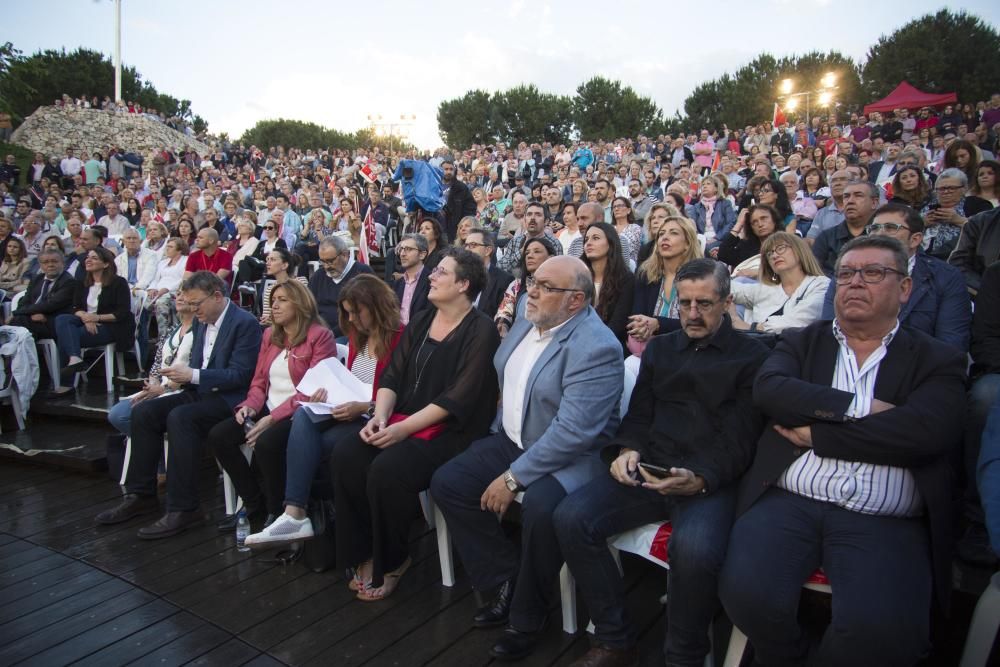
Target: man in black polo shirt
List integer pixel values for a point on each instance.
(860, 201)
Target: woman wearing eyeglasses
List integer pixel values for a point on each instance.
(437, 395)
(533, 253)
(789, 291)
(629, 232)
(949, 212)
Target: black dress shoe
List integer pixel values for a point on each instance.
(69, 369)
(515, 645)
(496, 612)
(132, 505)
(171, 524)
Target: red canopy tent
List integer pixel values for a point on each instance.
(906, 96)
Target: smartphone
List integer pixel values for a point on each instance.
(655, 471)
(248, 424)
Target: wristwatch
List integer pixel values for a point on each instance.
(371, 410)
(512, 484)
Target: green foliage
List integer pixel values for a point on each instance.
(525, 114)
(467, 120)
(28, 83)
(604, 109)
(938, 53)
(295, 133)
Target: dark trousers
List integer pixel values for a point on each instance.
(225, 440)
(375, 495)
(71, 336)
(488, 556)
(982, 395)
(879, 570)
(39, 330)
(186, 418)
(588, 517)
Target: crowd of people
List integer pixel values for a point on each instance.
(757, 279)
(174, 122)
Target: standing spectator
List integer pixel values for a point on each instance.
(459, 201)
(70, 167)
(10, 173)
(413, 285)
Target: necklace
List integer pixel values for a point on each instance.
(420, 370)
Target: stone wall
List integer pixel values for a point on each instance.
(50, 130)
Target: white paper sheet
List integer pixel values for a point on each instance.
(341, 385)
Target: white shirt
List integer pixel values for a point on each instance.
(280, 385)
(93, 295)
(211, 334)
(859, 487)
(515, 378)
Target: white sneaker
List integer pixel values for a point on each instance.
(284, 529)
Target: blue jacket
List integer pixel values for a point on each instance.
(571, 400)
(938, 305)
(723, 217)
(424, 188)
(234, 355)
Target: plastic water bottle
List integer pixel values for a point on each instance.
(242, 530)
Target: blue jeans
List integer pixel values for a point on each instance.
(309, 443)
(71, 336)
(120, 416)
(879, 569)
(988, 475)
(982, 395)
(588, 517)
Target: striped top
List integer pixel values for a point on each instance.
(859, 487)
(364, 366)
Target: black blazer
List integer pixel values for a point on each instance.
(617, 319)
(59, 301)
(115, 299)
(419, 294)
(923, 377)
(644, 303)
(492, 294)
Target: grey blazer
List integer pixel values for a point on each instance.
(570, 402)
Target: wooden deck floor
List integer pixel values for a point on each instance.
(75, 593)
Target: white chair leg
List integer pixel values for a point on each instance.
(138, 359)
(51, 353)
(109, 368)
(567, 596)
(427, 505)
(737, 647)
(983, 629)
(229, 493)
(128, 456)
(444, 549)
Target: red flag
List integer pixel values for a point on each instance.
(368, 239)
(779, 116)
(716, 161)
(887, 187)
(367, 173)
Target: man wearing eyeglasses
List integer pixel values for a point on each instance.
(938, 303)
(414, 284)
(481, 242)
(852, 474)
(561, 376)
(338, 267)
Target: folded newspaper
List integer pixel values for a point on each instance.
(341, 386)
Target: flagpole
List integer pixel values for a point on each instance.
(118, 50)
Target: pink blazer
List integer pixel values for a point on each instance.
(318, 345)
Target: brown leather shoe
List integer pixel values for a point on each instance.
(171, 524)
(132, 505)
(602, 656)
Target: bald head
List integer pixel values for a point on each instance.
(589, 213)
(562, 288)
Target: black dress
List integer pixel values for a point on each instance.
(375, 490)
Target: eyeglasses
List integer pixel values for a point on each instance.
(948, 188)
(329, 262)
(472, 245)
(871, 274)
(439, 271)
(891, 227)
(546, 288)
(703, 305)
(270, 228)
(407, 248)
(765, 189)
(195, 305)
(778, 250)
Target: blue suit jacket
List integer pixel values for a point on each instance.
(938, 306)
(234, 356)
(570, 402)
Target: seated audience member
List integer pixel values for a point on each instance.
(223, 353)
(534, 228)
(369, 314)
(552, 429)
(482, 242)
(629, 231)
(209, 256)
(743, 241)
(414, 281)
(156, 238)
(713, 215)
(243, 243)
(533, 253)
(102, 314)
(860, 201)
(167, 279)
(706, 369)
(437, 241)
(251, 267)
(279, 268)
(978, 247)
(49, 294)
(338, 268)
(137, 266)
(614, 284)
(654, 307)
(950, 212)
(90, 238)
(586, 214)
(295, 342)
(851, 474)
(309, 237)
(173, 346)
(973, 547)
(938, 303)
(14, 268)
(51, 243)
(658, 213)
(437, 395)
(789, 291)
(988, 479)
(114, 221)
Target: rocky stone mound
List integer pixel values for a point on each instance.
(50, 130)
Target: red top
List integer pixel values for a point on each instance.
(199, 261)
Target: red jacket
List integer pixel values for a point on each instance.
(318, 345)
(352, 352)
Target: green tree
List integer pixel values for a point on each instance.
(467, 120)
(295, 134)
(939, 53)
(523, 113)
(604, 109)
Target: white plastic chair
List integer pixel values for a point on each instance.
(342, 351)
(983, 629)
(233, 502)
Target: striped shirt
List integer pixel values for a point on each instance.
(860, 487)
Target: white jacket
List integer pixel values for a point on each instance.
(144, 271)
(800, 309)
(19, 345)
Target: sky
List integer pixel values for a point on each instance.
(336, 63)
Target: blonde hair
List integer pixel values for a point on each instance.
(652, 268)
(807, 261)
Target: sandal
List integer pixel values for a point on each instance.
(390, 581)
(357, 583)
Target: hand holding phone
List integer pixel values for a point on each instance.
(656, 471)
